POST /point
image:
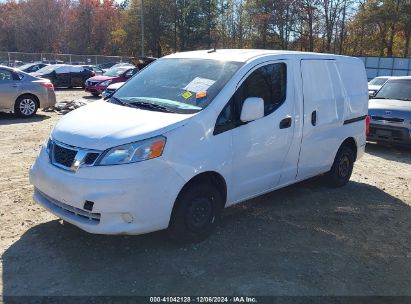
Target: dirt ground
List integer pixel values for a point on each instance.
(305, 239)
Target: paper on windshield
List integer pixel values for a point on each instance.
(199, 85)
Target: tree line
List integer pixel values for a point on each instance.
(352, 27)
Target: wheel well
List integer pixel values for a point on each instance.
(31, 95)
(350, 143)
(212, 177)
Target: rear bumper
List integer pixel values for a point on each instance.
(47, 99)
(389, 134)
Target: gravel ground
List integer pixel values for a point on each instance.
(305, 239)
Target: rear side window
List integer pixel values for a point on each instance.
(5, 75)
(268, 82)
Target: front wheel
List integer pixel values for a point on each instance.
(25, 106)
(195, 213)
(342, 168)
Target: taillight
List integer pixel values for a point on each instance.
(367, 125)
(48, 85)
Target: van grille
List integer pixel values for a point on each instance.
(64, 156)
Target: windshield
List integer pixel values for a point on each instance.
(378, 81)
(180, 85)
(25, 66)
(114, 72)
(47, 69)
(395, 89)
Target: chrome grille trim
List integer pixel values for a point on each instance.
(79, 160)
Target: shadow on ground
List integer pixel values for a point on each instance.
(390, 152)
(303, 240)
(11, 119)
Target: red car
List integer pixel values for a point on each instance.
(97, 84)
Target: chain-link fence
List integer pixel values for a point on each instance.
(17, 58)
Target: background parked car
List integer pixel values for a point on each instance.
(32, 67)
(64, 75)
(22, 93)
(390, 112)
(95, 69)
(97, 84)
(111, 89)
(375, 84)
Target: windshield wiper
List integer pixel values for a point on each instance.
(147, 105)
(118, 101)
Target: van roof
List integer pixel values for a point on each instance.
(244, 55)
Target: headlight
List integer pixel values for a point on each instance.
(105, 83)
(133, 152)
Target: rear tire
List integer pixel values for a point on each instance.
(195, 213)
(342, 168)
(25, 106)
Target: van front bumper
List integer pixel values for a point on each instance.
(127, 199)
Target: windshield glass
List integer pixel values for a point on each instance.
(114, 72)
(395, 89)
(180, 85)
(378, 81)
(47, 69)
(25, 66)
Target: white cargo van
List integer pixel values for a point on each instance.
(199, 131)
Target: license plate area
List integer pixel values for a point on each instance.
(384, 133)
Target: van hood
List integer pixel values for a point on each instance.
(102, 125)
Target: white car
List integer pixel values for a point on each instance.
(111, 89)
(200, 131)
(376, 83)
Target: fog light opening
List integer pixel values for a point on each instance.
(127, 217)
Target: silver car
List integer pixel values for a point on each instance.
(22, 93)
(390, 112)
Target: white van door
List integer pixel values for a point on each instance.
(323, 116)
(260, 147)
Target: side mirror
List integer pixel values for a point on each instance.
(253, 109)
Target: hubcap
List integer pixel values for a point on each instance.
(27, 106)
(344, 166)
(199, 214)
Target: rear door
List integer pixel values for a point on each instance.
(77, 76)
(323, 116)
(63, 78)
(9, 88)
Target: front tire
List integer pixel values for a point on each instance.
(95, 94)
(25, 106)
(342, 168)
(195, 213)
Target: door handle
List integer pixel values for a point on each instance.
(314, 118)
(285, 123)
(14, 85)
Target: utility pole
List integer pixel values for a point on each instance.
(142, 28)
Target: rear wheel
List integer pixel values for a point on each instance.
(195, 213)
(342, 168)
(25, 106)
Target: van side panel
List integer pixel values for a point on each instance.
(354, 83)
(323, 116)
